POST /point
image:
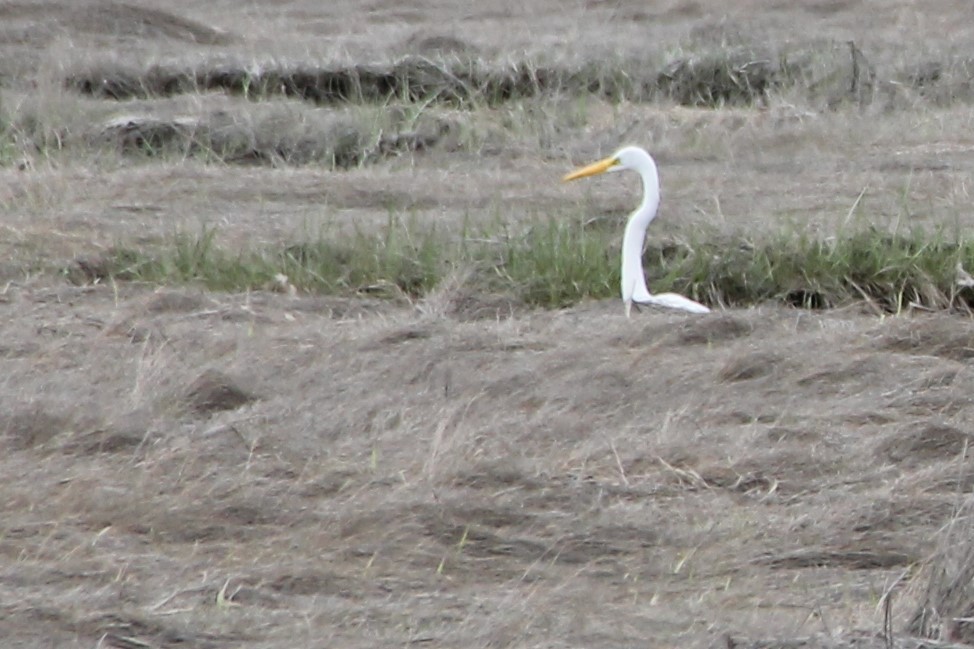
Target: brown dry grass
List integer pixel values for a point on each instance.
(192, 469)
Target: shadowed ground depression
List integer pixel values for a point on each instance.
(304, 343)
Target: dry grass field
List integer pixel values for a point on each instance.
(441, 464)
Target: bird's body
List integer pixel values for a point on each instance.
(634, 289)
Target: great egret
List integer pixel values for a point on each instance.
(633, 280)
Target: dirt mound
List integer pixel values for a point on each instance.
(718, 328)
(125, 20)
(43, 21)
(43, 426)
(750, 366)
(931, 442)
(856, 559)
(471, 304)
(214, 391)
(33, 426)
(438, 45)
(941, 336)
(125, 434)
(169, 301)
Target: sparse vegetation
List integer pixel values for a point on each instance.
(555, 263)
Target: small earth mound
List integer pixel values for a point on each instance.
(214, 391)
(429, 45)
(114, 263)
(123, 435)
(175, 302)
(131, 21)
(312, 582)
(32, 426)
(405, 334)
(705, 331)
(342, 308)
(944, 337)
(834, 373)
(930, 443)
(749, 366)
(468, 306)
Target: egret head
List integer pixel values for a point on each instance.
(630, 157)
(633, 157)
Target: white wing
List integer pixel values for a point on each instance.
(674, 301)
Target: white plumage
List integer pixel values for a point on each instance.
(634, 289)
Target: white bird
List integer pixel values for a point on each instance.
(633, 280)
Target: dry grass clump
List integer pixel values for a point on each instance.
(711, 77)
(946, 605)
(943, 338)
(453, 79)
(820, 73)
(276, 135)
(219, 128)
(942, 81)
(729, 77)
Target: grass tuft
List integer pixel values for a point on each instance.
(397, 260)
(894, 271)
(557, 263)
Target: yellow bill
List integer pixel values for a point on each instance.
(593, 169)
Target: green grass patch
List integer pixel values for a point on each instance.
(400, 259)
(188, 258)
(891, 270)
(555, 263)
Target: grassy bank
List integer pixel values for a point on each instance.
(550, 263)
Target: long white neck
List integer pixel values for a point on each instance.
(633, 280)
